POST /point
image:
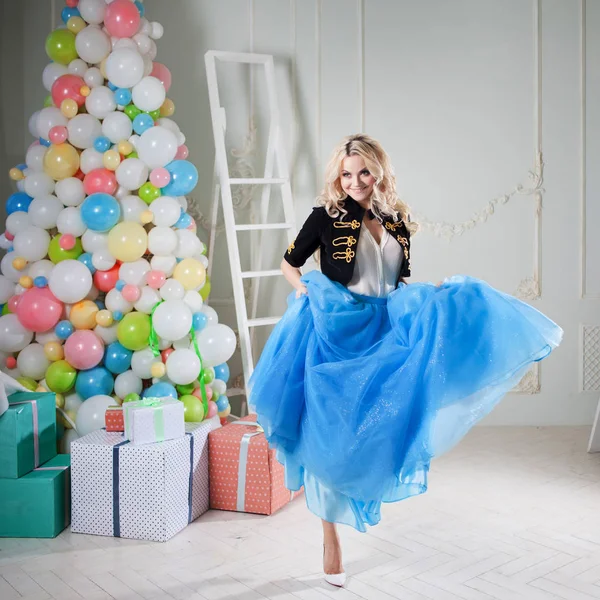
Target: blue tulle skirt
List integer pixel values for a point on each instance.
(358, 394)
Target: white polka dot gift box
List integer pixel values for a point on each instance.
(147, 492)
(244, 473)
(152, 420)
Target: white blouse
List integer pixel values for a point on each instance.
(376, 266)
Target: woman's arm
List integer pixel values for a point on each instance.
(292, 275)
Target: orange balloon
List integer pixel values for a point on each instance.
(61, 161)
(83, 314)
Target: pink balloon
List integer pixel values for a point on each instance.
(100, 180)
(160, 177)
(161, 73)
(122, 18)
(131, 293)
(38, 309)
(84, 349)
(68, 87)
(198, 393)
(11, 362)
(155, 279)
(212, 409)
(58, 134)
(67, 241)
(182, 152)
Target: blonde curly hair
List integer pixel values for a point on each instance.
(384, 200)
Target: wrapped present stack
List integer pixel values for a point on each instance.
(34, 480)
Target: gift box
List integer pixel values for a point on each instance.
(147, 492)
(113, 419)
(245, 476)
(153, 420)
(39, 503)
(27, 433)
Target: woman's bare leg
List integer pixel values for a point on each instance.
(332, 558)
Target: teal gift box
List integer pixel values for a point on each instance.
(38, 504)
(27, 433)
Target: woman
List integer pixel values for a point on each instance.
(365, 379)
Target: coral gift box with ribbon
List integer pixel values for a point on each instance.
(245, 476)
(113, 419)
(152, 420)
(147, 492)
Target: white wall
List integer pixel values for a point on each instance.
(463, 95)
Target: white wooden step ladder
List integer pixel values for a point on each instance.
(276, 160)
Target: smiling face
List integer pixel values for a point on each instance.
(356, 180)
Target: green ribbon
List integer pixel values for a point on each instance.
(153, 342)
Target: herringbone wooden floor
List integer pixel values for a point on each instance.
(512, 514)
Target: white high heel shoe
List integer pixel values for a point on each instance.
(336, 579)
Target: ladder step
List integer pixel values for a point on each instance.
(263, 321)
(257, 181)
(273, 273)
(262, 226)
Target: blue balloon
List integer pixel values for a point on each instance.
(140, 7)
(100, 304)
(222, 403)
(112, 87)
(101, 144)
(117, 315)
(40, 281)
(122, 96)
(63, 329)
(142, 122)
(184, 221)
(100, 212)
(120, 285)
(44, 142)
(222, 372)
(68, 12)
(117, 359)
(19, 201)
(184, 177)
(160, 390)
(199, 321)
(94, 382)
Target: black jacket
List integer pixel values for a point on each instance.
(337, 240)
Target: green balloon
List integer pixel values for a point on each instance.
(5, 309)
(133, 397)
(148, 192)
(60, 376)
(133, 154)
(48, 101)
(155, 114)
(60, 46)
(133, 331)
(132, 111)
(193, 410)
(209, 375)
(205, 290)
(185, 390)
(56, 253)
(30, 384)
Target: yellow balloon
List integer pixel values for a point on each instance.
(69, 108)
(104, 318)
(167, 108)
(16, 174)
(76, 24)
(60, 401)
(225, 413)
(103, 69)
(124, 147)
(111, 160)
(127, 241)
(83, 314)
(53, 351)
(158, 369)
(26, 281)
(146, 217)
(19, 263)
(190, 273)
(61, 161)
(72, 414)
(85, 91)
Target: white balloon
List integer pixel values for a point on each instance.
(183, 366)
(166, 211)
(17, 221)
(92, 44)
(132, 173)
(32, 243)
(187, 244)
(48, 118)
(142, 42)
(153, 50)
(69, 221)
(83, 130)
(117, 127)
(216, 344)
(94, 241)
(157, 30)
(125, 67)
(212, 318)
(172, 290)
(92, 294)
(168, 124)
(93, 77)
(194, 300)
(142, 361)
(38, 184)
(13, 336)
(70, 191)
(202, 259)
(32, 124)
(35, 157)
(148, 66)
(47, 336)
(107, 334)
(132, 207)
(41, 268)
(73, 401)
(127, 383)
(92, 11)
(78, 67)
(181, 344)
(149, 94)
(162, 240)
(121, 193)
(123, 43)
(70, 281)
(166, 264)
(134, 139)
(147, 301)
(134, 272)
(90, 159)
(9, 271)
(91, 414)
(44, 210)
(51, 73)
(172, 319)
(145, 26)
(219, 386)
(7, 289)
(32, 361)
(157, 146)
(101, 102)
(103, 260)
(114, 301)
(182, 202)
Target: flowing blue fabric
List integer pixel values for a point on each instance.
(358, 394)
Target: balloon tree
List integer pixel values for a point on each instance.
(103, 282)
